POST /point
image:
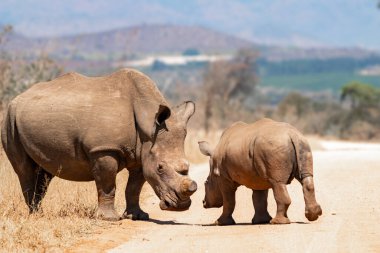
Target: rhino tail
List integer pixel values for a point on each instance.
(304, 157)
(6, 125)
(9, 128)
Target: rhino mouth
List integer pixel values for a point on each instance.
(170, 203)
(207, 205)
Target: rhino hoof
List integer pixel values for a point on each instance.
(225, 221)
(136, 215)
(280, 220)
(261, 219)
(107, 216)
(312, 213)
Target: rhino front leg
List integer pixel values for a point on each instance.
(260, 203)
(228, 190)
(135, 183)
(105, 169)
(283, 202)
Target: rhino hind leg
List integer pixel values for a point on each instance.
(34, 182)
(135, 183)
(312, 209)
(260, 203)
(42, 181)
(283, 202)
(105, 168)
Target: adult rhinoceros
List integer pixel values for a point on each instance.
(89, 128)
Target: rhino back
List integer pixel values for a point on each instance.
(61, 121)
(233, 159)
(273, 152)
(251, 154)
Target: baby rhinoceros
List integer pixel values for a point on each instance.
(265, 154)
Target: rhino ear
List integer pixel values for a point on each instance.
(185, 111)
(205, 148)
(149, 117)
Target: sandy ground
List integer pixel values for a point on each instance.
(347, 182)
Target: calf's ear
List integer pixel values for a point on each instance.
(205, 148)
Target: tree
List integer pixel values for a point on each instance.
(360, 94)
(17, 74)
(296, 103)
(6, 30)
(363, 117)
(227, 84)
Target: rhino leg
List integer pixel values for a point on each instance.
(260, 203)
(105, 169)
(283, 202)
(34, 184)
(312, 209)
(228, 190)
(135, 183)
(27, 182)
(33, 179)
(42, 181)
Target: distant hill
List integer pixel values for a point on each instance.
(124, 43)
(144, 39)
(343, 23)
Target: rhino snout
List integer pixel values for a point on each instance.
(188, 187)
(192, 187)
(169, 205)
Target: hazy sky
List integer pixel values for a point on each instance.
(295, 22)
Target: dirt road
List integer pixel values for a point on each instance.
(347, 182)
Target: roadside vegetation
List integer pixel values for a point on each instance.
(232, 90)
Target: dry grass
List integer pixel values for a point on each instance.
(66, 215)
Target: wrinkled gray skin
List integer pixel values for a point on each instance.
(82, 129)
(265, 154)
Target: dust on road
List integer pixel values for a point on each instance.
(347, 187)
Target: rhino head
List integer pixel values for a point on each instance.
(165, 166)
(213, 195)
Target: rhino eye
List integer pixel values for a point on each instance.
(160, 169)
